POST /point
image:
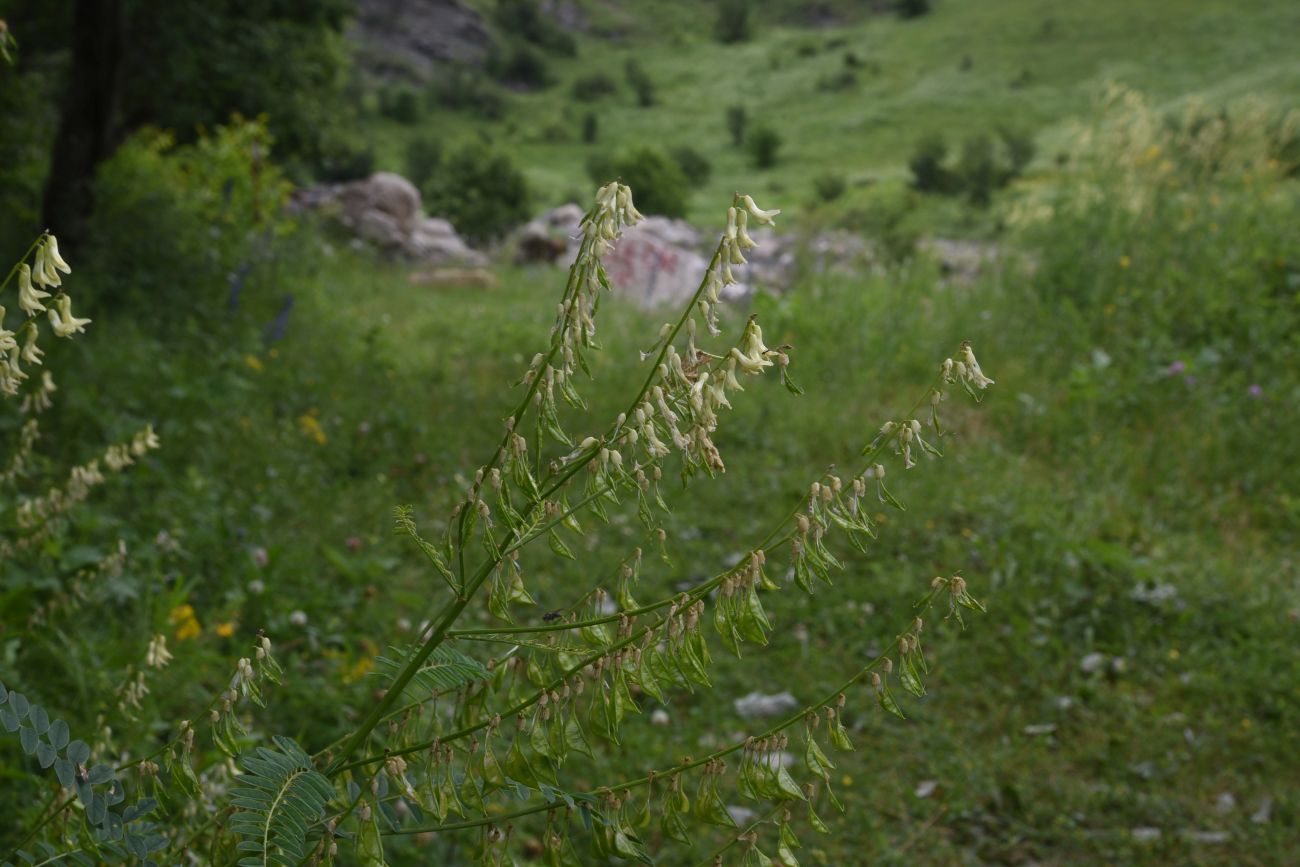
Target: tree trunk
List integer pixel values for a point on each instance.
(86, 135)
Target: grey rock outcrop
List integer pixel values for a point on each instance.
(385, 210)
(409, 39)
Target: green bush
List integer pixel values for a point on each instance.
(483, 193)
(737, 123)
(929, 174)
(733, 22)
(593, 86)
(424, 158)
(590, 128)
(641, 83)
(661, 185)
(764, 146)
(525, 19)
(912, 8)
(465, 89)
(518, 65)
(694, 165)
(829, 186)
(401, 104)
(176, 221)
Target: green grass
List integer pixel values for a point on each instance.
(1077, 484)
(1169, 49)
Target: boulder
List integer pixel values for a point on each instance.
(383, 192)
(410, 39)
(385, 210)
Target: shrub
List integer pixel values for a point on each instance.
(764, 147)
(519, 66)
(424, 159)
(465, 89)
(927, 163)
(483, 193)
(737, 123)
(593, 86)
(401, 104)
(694, 165)
(842, 79)
(829, 186)
(642, 85)
(525, 19)
(733, 23)
(912, 8)
(175, 221)
(590, 127)
(340, 158)
(663, 185)
(978, 170)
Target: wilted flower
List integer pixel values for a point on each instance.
(157, 656)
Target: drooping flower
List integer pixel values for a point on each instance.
(29, 297)
(62, 320)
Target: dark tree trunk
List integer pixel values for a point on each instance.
(86, 134)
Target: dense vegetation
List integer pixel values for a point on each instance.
(1124, 501)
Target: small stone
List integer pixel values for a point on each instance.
(1145, 834)
(659, 717)
(1225, 803)
(1093, 662)
(1264, 812)
(1040, 729)
(926, 788)
(757, 705)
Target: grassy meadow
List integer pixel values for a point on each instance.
(1124, 500)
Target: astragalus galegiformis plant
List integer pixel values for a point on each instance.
(479, 730)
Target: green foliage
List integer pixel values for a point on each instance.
(829, 187)
(189, 65)
(527, 20)
(483, 194)
(593, 86)
(519, 65)
(733, 22)
(983, 167)
(694, 165)
(764, 144)
(202, 210)
(424, 159)
(590, 128)
(737, 124)
(664, 187)
(463, 88)
(281, 798)
(401, 104)
(912, 8)
(641, 83)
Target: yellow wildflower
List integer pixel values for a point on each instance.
(311, 427)
(226, 629)
(254, 362)
(187, 625)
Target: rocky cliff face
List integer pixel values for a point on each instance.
(407, 40)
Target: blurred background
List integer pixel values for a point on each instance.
(319, 241)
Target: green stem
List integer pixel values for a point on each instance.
(676, 769)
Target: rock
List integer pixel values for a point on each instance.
(547, 238)
(1039, 729)
(1262, 815)
(1226, 803)
(659, 717)
(385, 210)
(1145, 834)
(757, 705)
(925, 788)
(1093, 662)
(411, 39)
(382, 192)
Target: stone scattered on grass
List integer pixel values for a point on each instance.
(757, 705)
